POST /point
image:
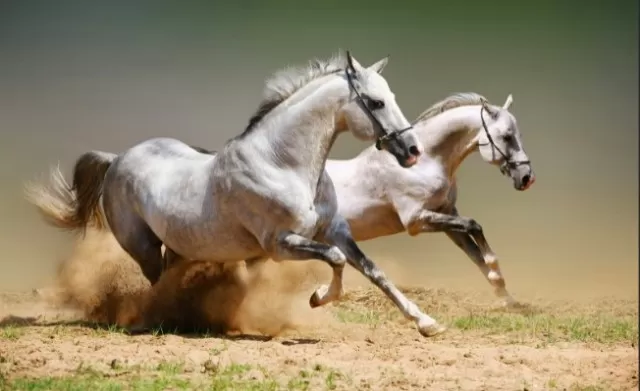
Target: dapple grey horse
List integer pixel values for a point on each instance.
(378, 198)
(264, 195)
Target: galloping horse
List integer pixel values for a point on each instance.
(377, 198)
(266, 194)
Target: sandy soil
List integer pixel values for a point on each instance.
(273, 339)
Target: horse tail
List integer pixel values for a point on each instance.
(76, 206)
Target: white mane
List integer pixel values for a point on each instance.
(451, 102)
(286, 82)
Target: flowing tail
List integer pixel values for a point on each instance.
(73, 207)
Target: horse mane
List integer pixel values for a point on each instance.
(286, 82)
(451, 102)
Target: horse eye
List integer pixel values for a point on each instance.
(375, 104)
(508, 138)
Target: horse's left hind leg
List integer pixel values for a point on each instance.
(491, 272)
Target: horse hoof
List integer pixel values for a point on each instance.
(432, 330)
(314, 300)
(511, 304)
(319, 297)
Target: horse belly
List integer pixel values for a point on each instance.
(374, 222)
(213, 243)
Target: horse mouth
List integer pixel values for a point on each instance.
(409, 161)
(526, 182)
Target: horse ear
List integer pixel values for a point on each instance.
(508, 102)
(352, 63)
(490, 109)
(379, 66)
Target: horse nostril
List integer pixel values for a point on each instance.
(526, 179)
(414, 151)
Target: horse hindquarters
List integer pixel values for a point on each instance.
(130, 230)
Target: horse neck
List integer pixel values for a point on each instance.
(451, 136)
(305, 130)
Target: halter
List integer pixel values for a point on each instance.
(506, 163)
(387, 135)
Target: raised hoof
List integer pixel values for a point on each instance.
(432, 330)
(314, 300)
(319, 297)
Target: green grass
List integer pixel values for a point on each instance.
(172, 376)
(11, 333)
(604, 323)
(364, 316)
(551, 328)
(553, 385)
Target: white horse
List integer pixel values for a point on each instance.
(379, 199)
(265, 195)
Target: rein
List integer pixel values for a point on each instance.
(387, 135)
(507, 163)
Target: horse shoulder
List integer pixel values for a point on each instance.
(424, 186)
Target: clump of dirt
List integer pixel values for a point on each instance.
(102, 281)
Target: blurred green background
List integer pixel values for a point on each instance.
(84, 75)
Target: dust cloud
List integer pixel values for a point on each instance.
(107, 286)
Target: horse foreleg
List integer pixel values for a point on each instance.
(340, 235)
(493, 275)
(468, 235)
(429, 221)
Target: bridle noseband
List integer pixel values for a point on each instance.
(507, 163)
(387, 135)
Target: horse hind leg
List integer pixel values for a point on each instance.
(139, 241)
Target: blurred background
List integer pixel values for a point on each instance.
(82, 75)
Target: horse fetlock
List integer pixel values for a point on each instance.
(491, 260)
(497, 281)
(494, 276)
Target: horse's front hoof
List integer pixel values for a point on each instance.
(432, 330)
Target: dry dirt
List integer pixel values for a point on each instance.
(103, 324)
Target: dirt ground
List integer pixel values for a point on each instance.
(102, 327)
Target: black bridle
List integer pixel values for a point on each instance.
(506, 163)
(387, 135)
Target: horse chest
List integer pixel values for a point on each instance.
(307, 215)
(436, 195)
(432, 188)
